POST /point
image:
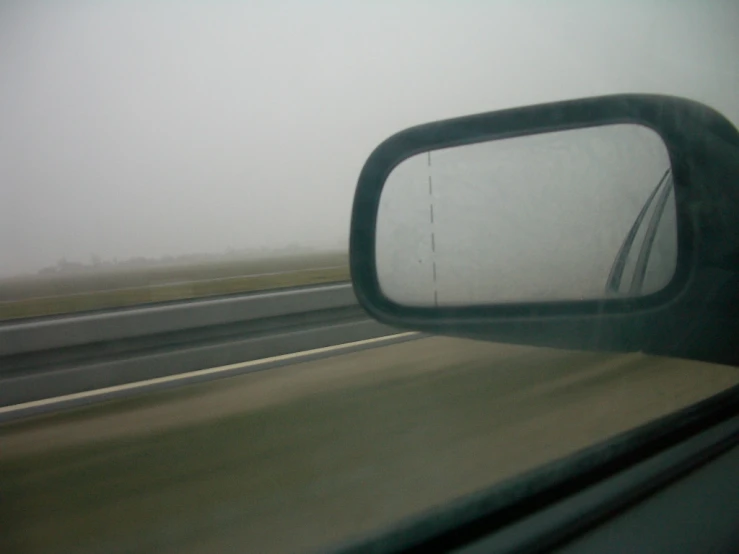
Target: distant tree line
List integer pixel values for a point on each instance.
(97, 263)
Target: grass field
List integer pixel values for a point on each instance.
(298, 457)
(48, 295)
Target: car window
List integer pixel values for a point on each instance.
(158, 153)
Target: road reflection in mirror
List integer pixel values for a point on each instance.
(568, 215)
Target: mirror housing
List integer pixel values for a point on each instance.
(690, 317)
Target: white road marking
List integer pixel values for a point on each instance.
(198, 373)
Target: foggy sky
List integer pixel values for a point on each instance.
(154, 128)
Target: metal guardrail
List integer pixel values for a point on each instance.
(127, 323)
(55, 356)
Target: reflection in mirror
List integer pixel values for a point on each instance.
(568, 215)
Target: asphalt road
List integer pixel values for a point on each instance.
(305, 455)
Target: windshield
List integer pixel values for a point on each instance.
(183, 366)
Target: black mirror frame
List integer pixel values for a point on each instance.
(680, 123)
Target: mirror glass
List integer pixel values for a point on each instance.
(568, 215)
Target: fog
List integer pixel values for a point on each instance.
(170, 128)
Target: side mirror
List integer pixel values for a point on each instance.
(581, 224)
